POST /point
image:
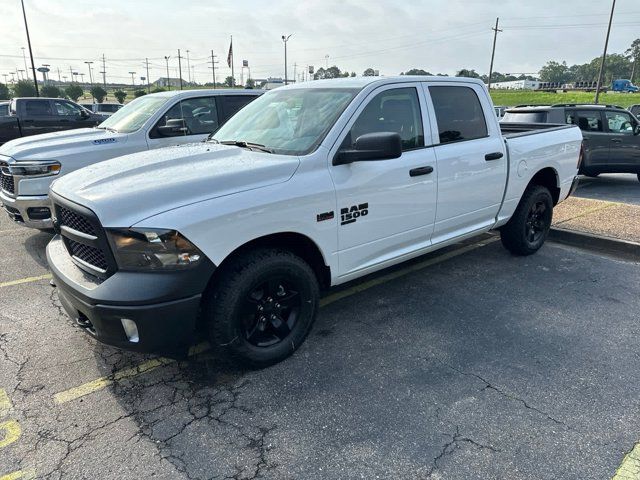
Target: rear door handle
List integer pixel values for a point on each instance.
(493, 156)
(416, 172)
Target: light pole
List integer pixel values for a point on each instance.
(44, 74)
(166, 59)
(33, 65)
(604, 54)
(326, 62)
(90, 75)
(285, 39)
(188, 66)
(24, 57)
(133, 81)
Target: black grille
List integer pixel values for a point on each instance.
(6, 183)
(75, 221)
(90, 255)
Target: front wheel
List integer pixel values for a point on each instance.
(262, 307)
(529, 226)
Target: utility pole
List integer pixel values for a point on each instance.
(295, 67)
(188, 67)
(133, 81)
(604, 54)
(90, 76)
(166, 59)
(180, 68)
(24, 57)
(59, 81)
(146, 62)
(104, 73)
(496, 30)
(33, 66)
(285, 39)
(213, 68)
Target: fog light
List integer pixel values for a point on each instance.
(38, 213)
(130, 330)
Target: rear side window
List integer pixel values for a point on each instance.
(38, 107)
(229, 105)
(525, 117)
(459, 114)
(587, 121)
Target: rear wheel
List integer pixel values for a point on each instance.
(529, 226)
(263, 306)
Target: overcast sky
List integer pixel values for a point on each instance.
(390, 36)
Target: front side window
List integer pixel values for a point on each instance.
(199, 114)
(459, 113)
(589, 121)
(288, 121)
(619, 122)
(66, 109)
(397, 111)
(38, 108)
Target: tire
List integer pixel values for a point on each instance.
(529, 226)
(262, 307)
(639, 177)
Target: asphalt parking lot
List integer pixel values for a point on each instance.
(469, 363)
(612, 187)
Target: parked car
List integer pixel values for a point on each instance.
(310, 185)
(611, 134)
(635, 109)
(33, 116)
(4, 109)
(107, 109)
(29, 165)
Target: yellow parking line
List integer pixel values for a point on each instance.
(630, 468)
(103, 382)
(5, 403)
(25, 280)
(12, 432)
(28, 474)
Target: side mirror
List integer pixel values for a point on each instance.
(371, 147)
(176, 127)
(636, 130)
(84, 113)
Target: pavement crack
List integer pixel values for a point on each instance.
(454, 444)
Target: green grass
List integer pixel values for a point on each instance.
(525, 97)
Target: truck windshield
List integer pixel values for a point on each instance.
(287, 121)
(134, 115)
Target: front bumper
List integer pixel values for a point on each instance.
(164, 306)
(23, 209)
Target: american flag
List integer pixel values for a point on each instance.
(230, 56)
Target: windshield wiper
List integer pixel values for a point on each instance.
(109, 129)
(249, 145)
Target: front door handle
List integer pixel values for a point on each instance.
(416, 172)
(616, 140)
(493, 156)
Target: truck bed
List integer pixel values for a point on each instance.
(512, 130)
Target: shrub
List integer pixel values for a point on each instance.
(98, 93)
(120, 95)
(139, 93)
(74, 92)
(24, 88)
(51, 91)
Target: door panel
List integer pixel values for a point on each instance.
(472, 165)
(383, 211)
(624, 145)
(596, 140)
(38, 117)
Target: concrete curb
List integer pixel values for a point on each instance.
(614, 246)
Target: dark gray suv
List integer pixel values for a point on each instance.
(611, 133)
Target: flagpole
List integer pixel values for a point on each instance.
(233, 82)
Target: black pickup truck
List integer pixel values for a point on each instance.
(32, 116)
(611, 133)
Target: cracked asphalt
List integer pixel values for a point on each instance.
(481, 366)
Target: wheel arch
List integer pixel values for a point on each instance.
(548, 177)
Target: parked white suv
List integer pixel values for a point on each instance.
(309, 186)
(103, 108)
(28, 165)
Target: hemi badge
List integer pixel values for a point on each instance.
(324, 216)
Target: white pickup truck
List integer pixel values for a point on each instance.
(309, 186)
(28, 165)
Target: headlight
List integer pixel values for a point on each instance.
(25, 169)
(153, 249)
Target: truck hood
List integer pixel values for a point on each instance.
(51, 146)
(126, 190)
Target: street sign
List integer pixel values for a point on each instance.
(43, 69)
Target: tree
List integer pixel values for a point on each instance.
(251, 83)
(98, 93)
(416, 71)
(139, 93)
(4, 91)
(633, 54)
(229, 82)
(369, 72)
(468, 73)
(353, 74)
(158, 90)
(24, 88)
(331, 72)
(120, 95)
(555, 72)
(51, 91)
(74, 92)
